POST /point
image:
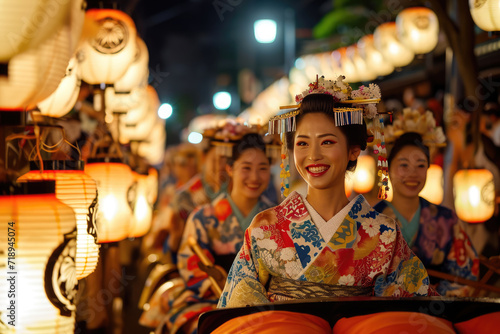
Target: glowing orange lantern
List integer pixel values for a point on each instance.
(60, 102)
(386, 41)
(474, 195)
(107, 55)
(113, 182)
(37, 237)
(364, 175)
(26, 24)
(485, 14)
(373, 58)
(79, 191)
(418, 29)
(143, 209)
(433, 189)
(348, 184)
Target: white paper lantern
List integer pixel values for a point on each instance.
(373, 58)
(45, 281)
(106, 56)
(78, 190)
(364, 72)
(433, 189)
(140, 127)
(345, 65)
(386, 41)
(113, 182)
(27, 24)
(153, 147)
(36, 73)
(137, 73)
(486, 14)
(60, 102)
(418, 29)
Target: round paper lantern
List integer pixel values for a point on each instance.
(433, 189)
(364, 175)
(486, 14)
(373, 58)
(78, 190)
(137, 73)
(345, 64)
(106, 56)
(129, 103)
(474, 195)
(364, 72)
(141, 128)
(114, 180)
(60, 102)
(77, 19)
(143, 209)
(153, 147)
(418, 29)
(26, 24)
(386, 41)
(36, 73)
(38, 235)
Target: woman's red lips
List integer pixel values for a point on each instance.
(317, 169)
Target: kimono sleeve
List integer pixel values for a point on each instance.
(243, 286)
(461, 260)
(406, 275)
(196, 279)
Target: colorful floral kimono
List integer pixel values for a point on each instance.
(219, 229)
(286, 256)
(437, 238)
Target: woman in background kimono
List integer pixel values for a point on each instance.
(322, 244)
(219, 229)
(432, 231)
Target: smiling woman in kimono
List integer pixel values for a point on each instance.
(432, 231)
(322, 244)
(219, 229)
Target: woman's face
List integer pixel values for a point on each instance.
(320, 151)
(408, 172)
(214, 168)
(250, 174)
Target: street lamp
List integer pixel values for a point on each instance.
(222, 100)
(265, 31)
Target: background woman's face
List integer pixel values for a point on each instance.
(320, 151)
(408, 172)
(250, 174)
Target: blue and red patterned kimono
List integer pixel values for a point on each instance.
(357, 252)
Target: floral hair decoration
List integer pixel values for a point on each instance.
(351, 106)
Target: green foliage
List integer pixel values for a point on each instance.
(335, 20)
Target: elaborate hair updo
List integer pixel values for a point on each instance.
(250, 140)
(408, 139)
(356, 134)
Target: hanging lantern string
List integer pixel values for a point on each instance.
(41, 145)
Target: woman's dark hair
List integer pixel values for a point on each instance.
(251, 140)
(408, 139)
(356, 134)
